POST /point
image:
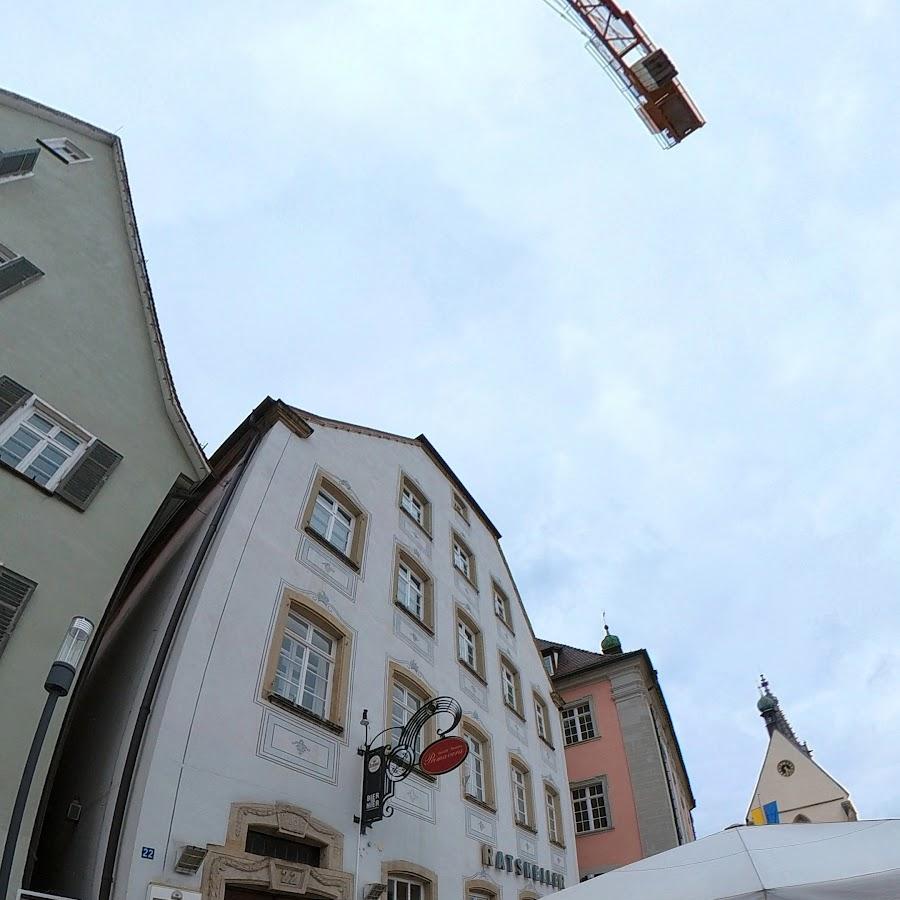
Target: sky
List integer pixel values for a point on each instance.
(670, 377)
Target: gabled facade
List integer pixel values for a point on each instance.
(91, 434)
(325, 573)
(792, 787)
(628, 786)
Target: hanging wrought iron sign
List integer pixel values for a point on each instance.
(385, 766)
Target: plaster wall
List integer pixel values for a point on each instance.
(604, 756)
(809, 791)
(78, 339)
(214, 739)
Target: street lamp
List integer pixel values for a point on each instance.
(59, 680)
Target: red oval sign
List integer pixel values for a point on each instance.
(444, 755)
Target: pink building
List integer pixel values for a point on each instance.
(629, 788)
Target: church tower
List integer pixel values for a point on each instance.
(792, 787)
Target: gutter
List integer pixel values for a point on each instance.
(123, 793)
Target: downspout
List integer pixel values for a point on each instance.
(140, 725)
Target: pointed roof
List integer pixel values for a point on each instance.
(775, 719)
(172, 404)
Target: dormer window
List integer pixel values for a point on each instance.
(15, 164)
(551, 661)
(64, 150)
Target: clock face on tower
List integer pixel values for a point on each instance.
(786, 768)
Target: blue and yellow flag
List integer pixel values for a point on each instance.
(767, 814)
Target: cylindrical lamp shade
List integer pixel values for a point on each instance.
(75, 641)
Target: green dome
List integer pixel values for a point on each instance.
(766, 702)
(611, 644)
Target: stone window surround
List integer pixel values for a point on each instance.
(336, 718)
(468, 725)
(560, 822)
(571, 704)
(466, 618)
(408, 482)
(519, 708)
(397, 672)
(545, 709)
(230, 864)
(401, 554)
(405, 868)
(516, 762)
(329, 483)
(507, 619)
(472, 577)
(481, 886)
(586, 783)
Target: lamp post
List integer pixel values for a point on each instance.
(59, 680)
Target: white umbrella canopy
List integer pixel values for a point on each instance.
(850, 860)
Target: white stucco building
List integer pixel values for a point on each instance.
(323, 569)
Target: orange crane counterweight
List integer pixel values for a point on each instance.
(643, 73)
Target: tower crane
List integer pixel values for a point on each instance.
(643, 72)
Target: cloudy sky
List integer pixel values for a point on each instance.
(671, 377)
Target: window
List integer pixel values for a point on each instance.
(305, 665)
(334, 518)
(466, 645)
(64, 149)
(512, 691)
(410, 590)
(413, 589)
(551, 803)
(462, 559)
(521, 788)
(15, 592)
(578, 723)
(550, 660)
(460, 508)
(478, 770)
(405, 703)
(415, 504)
(541, 719)
(501, 607)
(41, 448)
(332, 521)
(589, 806)
(402, 888)
(17, 163)
(475, 786)
(308, 665)
(263, 843)
(15, 271)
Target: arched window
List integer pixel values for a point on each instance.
(801, 820)
(407, 880)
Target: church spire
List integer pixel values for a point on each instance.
(775, 720)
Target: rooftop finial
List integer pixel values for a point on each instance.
(609, 644)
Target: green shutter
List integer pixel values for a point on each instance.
(17, 162)
(12, 396)
(15, 592)
(17, 273)
(80, 486)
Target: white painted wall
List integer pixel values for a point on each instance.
(210, 740)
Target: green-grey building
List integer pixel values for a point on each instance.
(92, 437)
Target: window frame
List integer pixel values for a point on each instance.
(19, 418)
(457, 543)
(53, 145)
(497, 593)
(398, 674)
(480, 889)
(506, 666)
(586, 786)
(330, 486)
(518, 766)
(552, 801)
(460, 507)
(406, 870)
(307, 609)
(403, 558)
(464, 620)
(574, 707)
(470, 730)
(542, 716)
(409, 486)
